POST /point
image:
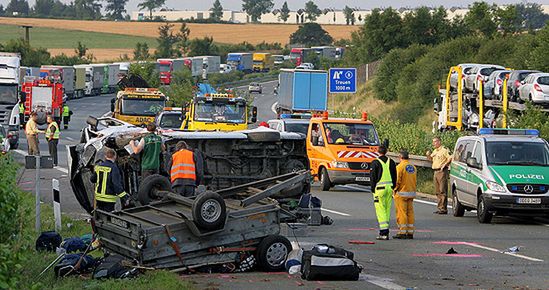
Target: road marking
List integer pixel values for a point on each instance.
(448, 255)
(476, 245)
(335, 212)
(384, 283)
(64, 170)
(69, 138)
(273, 107)
(428, 202)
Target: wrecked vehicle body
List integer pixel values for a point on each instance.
(230, 158)
(237, 226)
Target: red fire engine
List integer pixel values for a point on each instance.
(44, 97)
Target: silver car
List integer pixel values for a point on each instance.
(255, 88)
(535, 88)
(477, 73)
(493, 87)
(465, 67)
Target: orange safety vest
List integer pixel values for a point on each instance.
(183, 166)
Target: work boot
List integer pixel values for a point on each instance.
(382, 237)
(410, 236)
(400, 236)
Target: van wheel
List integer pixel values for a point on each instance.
(325, 183)
(484, 217)
(459, 209)
(150, 188)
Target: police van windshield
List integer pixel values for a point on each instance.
(142, 107)
(351, 134)
(171, 121)
(517, 153)
(297, 127)
(220, 112)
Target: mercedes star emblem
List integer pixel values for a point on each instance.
(364, 165)
(528, 189)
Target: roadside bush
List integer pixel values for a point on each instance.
(180, 89)
(532, 118)
(217, 78)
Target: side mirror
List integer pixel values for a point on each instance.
(472, 162)
(112, 104)
(386, 143)
(435, 104)
(522, 82)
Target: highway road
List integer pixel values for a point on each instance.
(422, 263)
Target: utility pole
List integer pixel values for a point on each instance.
(27, 32)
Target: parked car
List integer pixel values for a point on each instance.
(225, 68)
(278, 59)
(255, 88)
(535, 88)
(465, 67)
(290, 124)
(492, 88)
(478, 72)
(514, 82)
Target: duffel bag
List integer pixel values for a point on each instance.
(112, 267)
(329, 263)
(48, 241)
(68, 265)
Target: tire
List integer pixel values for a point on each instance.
(325, 183)
(264, 136)
(293, 166)
(459, 209)
(149, 187)
(297, 190)
(484, 217)
(272, 252)
(209, 211)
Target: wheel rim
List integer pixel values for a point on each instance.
(276, 254)
(211, 210)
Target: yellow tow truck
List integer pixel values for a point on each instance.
(138, 106)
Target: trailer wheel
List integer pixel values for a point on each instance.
(264, 136)
(272, 253)
(209, 211)
(150, 186)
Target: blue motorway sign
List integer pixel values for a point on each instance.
(343, 80)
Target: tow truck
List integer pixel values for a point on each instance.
(212, 111)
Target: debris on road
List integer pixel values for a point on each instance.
(451, 251)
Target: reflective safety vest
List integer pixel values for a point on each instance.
(183, 166)
(386, 178)
(55, 130)
(66, 111)
(21, 108)
(101, 194)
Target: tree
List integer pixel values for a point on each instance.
(349, 15)
(42, 8)
(531, 16)
(29, 56)
(2, 10)
(508, 19)
(183, 39)
(312, 11)
(88, 9)
(216, 11)
(116, 8)
(480, 19)
(538, 55)
(19, 7)
(151, 5)
(81, 49)
(256, 8)
(311, 34)
(204, 46)
(284, 12)
(166, 41)
(141, 51)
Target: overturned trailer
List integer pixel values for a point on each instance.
(230, 158)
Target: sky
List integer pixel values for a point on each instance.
(297, 4)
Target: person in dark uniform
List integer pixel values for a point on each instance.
(109, 184)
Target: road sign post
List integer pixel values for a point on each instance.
(37, 162)
(56, 204)
(342, 80)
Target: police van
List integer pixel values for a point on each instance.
(501, 172)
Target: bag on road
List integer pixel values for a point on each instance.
(48, 241)
(75, 244)
(325, 262)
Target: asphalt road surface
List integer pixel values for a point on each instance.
(422, 263)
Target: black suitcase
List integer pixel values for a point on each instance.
(325, 262)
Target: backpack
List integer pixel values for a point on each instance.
(48, 241)
(68, 263)
(111, 267)
(74, 245)
(325, 262)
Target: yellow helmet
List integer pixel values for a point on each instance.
(340, 141)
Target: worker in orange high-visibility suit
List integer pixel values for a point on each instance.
(404, 194)
(185, 170)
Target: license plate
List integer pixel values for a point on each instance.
(528, 200)
(362, 178)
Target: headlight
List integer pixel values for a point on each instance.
(495, 186)
(338, 164)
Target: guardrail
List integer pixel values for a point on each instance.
(247, 81)
(416, 160)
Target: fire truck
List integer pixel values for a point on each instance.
(44, 97)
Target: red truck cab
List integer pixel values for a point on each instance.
(45, 97)
(298, 55)
(165, 68)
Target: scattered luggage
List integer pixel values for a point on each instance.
(325, 262)
(48, 241)
(112, 266)
(73, 264)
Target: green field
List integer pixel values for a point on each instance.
(61, 38)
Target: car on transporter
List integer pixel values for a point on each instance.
(501, 172)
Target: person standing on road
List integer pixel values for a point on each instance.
(109, 184)
(441, 159)
(21, 113)
(52, 136)
(185, 170)
(151, 146)
(404, 194)
(383, 180)
(31, 130)
(66, 116)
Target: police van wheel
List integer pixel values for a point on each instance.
(325, 183)
(459, 209)
(484, 217)
(150, 188)
(272, 252)
(209, 211)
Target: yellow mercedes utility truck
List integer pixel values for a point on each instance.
(138, 106)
